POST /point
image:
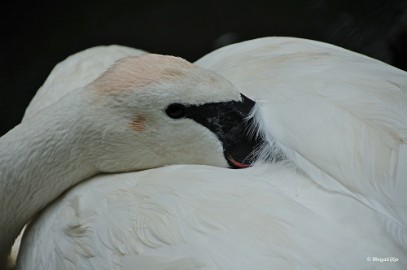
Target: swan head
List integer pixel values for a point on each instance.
(143, 112)
(155, 110)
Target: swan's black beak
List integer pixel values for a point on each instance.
(231, 124)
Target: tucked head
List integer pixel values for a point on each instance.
(137, 72)
(162, 74)
(143, 112)
(155, 110)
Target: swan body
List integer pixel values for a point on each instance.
(201, 217)
(339, 117)
(351, 111)
(132, 117)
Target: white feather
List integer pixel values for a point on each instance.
(199, 217)
(340, 116)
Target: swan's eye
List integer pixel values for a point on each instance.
(176, 110)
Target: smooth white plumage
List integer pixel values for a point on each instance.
(199, 217)
(340, 117)
(76, 71)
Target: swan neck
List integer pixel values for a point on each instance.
(39, 160)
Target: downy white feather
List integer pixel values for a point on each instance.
(340, 116)
(200, 217)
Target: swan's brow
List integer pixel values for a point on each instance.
(140, 71)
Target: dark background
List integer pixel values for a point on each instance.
(36, 35)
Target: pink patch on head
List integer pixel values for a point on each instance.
(140, 71)
(138, 123)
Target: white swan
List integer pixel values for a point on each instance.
(339, 116)
(133, 117)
